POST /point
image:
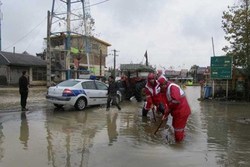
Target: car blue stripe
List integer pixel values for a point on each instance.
(75, 93)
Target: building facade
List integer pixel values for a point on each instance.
(87, 56)
(12, 65)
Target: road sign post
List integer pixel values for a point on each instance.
(221, 68)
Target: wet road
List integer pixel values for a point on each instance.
(217, 135)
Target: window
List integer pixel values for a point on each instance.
(101, 86)
(88, 85)
(68, 83)
(39, 74)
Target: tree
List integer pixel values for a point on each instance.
(193, 72)
(236, 24)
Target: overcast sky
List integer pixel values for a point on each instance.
(175, 33)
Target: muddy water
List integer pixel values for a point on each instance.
(217, 135)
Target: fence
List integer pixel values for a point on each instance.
(225, 89)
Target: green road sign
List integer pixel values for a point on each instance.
(221, 67)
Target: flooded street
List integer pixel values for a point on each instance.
(217, 134)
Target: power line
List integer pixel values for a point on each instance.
(25, 35)
(98, 3)
(33, 39)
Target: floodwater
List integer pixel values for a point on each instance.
(217, 134)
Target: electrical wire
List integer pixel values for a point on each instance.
(33, 39)
(98, 3)
(20, 39)
(25, 34)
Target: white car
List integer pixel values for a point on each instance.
(79, 93)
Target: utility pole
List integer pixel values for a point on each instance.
(69, 17)
(213, 80)
(1, 18)
(68, 47)
(213, 46)
(48, 52)
(100, 62)
(115, 62)
(86, 29)
(247, 32)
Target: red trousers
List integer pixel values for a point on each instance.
(179, 123)
(180, 114)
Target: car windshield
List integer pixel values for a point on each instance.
(68, 83)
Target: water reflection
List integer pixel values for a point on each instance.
(111, 127)
(70, 135)
(1, 141)
(226, 135)
(217, 135)
(24, 130)
(138, 129)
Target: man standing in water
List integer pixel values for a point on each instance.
(24, 89)
(112, 91)
(178, 107)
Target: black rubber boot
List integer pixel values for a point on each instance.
(144, 112)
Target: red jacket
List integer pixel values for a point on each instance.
(176, 100)
(153, 95)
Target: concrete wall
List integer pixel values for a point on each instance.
(9, 75)
(3, 76)
(15, 73)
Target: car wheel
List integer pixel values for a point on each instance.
(138, 90)
(80, 104)
(58, 105)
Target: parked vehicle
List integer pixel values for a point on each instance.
(135, 79)
(79, 93)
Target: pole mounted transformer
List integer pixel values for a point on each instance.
(67, 18)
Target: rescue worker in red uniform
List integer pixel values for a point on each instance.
(177, 106)
(153, 95)
(160, 75)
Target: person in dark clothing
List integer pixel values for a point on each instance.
(23, 90)
(112, 90)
